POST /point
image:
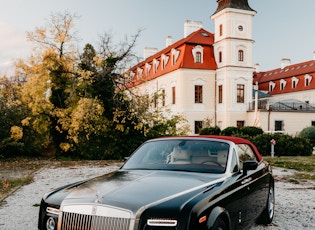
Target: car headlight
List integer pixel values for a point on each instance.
(162, 222)
(51, 223)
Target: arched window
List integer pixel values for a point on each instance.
(241, 55)
(220, 56)
(197, 52)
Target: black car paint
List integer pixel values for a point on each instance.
(238, 199)
(200, 201)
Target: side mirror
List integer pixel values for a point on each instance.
(249, 165)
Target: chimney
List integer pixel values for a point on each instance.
(169, 41)
(191, 26)
(257, 68)
(285, 62)
(313, 55)
(148, 52)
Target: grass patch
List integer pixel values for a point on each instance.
(7, 186)
(299, 163)
(305, 165)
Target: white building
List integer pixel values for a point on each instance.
(212, 76)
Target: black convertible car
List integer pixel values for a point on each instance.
(199, 182)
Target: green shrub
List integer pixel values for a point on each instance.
(308, 132)
(286, 145)
(231, 131)
(210, 131)
(251, 130)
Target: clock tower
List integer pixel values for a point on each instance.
(233, 50)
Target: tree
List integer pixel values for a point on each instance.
(50, 78)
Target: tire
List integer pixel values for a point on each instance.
(267, 215)
(219, 224)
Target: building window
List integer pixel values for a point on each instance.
(220, 93)
(271, 86)
(175, 55)
(278, 125)
(198, 126)
(307, 79)
(221, 29)
(240, 93)
(313, 123)
(283, 83)
(240, 55)
(198, 54)
(198, 57)
(173, 95)
(163, 97)
(220, 56)
(240, 124)
(156, 64)
(198, 93)
(295, 81)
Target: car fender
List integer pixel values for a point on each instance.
(215, 213)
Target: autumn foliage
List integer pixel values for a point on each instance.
(64, 103)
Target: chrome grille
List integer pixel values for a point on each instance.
(94, 217)
(75, 221)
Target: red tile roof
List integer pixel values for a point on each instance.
(299, 71)
(185, 59)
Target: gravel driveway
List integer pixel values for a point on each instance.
(295, 203)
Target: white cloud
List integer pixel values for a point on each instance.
(13, 45)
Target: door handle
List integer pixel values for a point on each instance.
(247, 180)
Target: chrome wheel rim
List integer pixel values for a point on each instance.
(271, 202)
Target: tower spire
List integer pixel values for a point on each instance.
(236, 4)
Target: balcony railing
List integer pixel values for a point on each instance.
(283, 106)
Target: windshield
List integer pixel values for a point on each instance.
(180, 154)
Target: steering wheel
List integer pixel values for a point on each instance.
(211, 162)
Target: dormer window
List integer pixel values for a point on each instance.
(147, 68)
(295, 81)
(175, 55)
(165, 59)
(282, 84)
(307, 80)
(271, 86)
(139, 71)
(156, 64)
(198, 54)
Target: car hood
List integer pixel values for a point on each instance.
(138, 188)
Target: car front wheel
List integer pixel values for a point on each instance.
(219, 224)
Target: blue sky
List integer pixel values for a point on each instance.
(281, 28)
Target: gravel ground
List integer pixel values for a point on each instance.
(295, 203)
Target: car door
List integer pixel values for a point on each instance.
(256, 184)
(236, 202)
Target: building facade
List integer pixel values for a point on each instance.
(211, 76)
